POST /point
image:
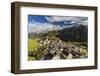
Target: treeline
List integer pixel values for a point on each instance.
(79, 34)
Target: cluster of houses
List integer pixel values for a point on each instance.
(57, 49)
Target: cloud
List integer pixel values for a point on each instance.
(85, 22)
(68, 22)
(50, 19)
(69, 19)
(41, 27)
(58, 18)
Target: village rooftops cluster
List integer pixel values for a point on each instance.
(57, 49)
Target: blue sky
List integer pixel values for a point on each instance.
(37, 18)
(38, 23)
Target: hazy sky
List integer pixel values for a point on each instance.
(38, 23)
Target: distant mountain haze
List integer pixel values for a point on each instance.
(41, 24)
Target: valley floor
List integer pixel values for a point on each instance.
(53, 48)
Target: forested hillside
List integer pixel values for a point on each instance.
(67, 43)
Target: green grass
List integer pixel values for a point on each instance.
(32, 47)
(32, 44)
(35, 52)
(31, 58)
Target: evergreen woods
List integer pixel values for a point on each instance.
(68, 43)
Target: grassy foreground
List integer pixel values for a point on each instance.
(32, 44)
(36, 52)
